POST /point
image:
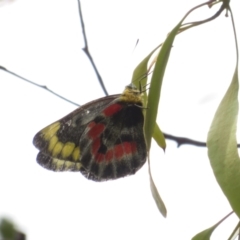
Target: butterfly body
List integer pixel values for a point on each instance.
(102, 139)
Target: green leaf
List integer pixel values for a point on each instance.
(222, 145)
(159, 137)
(139, 74)
(155, 194)
(7, 229)
(140, 71)
(156, 84)
(150, 126)
(206, 234)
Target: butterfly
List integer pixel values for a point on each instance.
(102, 139)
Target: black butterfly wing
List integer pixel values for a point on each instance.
(113, 143)
(103, 139)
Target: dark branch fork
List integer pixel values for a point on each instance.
(180, 140)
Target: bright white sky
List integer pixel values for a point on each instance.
(42, 41)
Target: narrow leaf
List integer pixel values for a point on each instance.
(139, 74)
(159, 137)
(222, 145)
(150, 126)
(206, 234)
(155, 194)
(156, 83)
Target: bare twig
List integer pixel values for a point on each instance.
(225, 5)
(87, 52)
(182, 140)
(38, 85)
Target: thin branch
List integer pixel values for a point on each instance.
(185, 26)
(38, 85)
(87, 52)
(180, 140)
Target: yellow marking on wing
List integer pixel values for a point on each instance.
(51, 130)
(63, 165)
(131, 95)
(53, 141)
(67, 149)
(76, 154)
(57, 149)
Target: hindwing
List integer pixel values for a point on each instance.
(102, 139)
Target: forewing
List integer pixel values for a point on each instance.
(59, 142)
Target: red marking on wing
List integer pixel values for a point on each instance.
(100, 157)
(95, 129)
(124, 148)
(109, 155)
(117, 151)
(91, 124)
(112, 109)
(129, 147)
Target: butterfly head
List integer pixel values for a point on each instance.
(131, 94)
